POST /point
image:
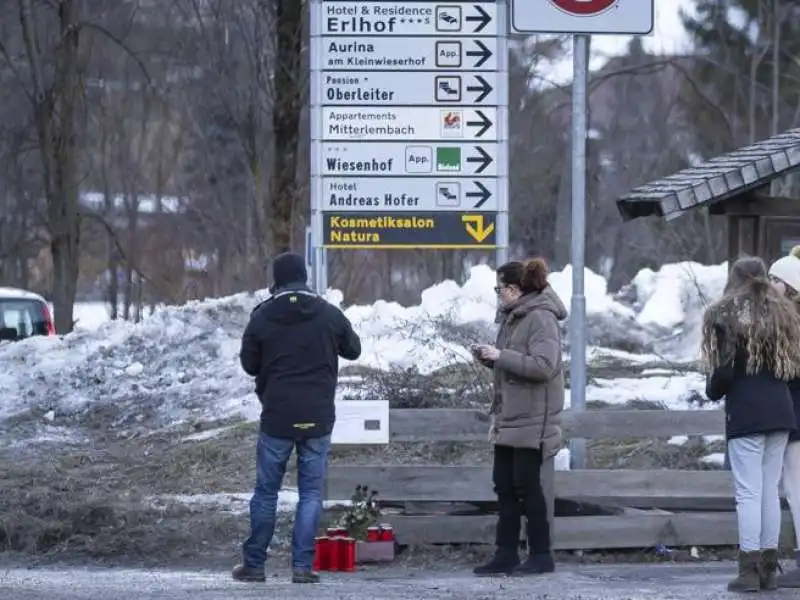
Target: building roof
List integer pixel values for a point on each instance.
(714, 180)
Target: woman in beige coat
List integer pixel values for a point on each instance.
(528, 400)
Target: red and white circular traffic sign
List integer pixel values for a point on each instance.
(584, 8)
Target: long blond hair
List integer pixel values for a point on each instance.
(753, 315)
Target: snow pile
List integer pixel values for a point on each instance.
(181, 363)
(662, 316)
(674, 297)
(177, 364)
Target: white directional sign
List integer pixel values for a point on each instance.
(391, 159)
(395, 53)
(408, 19)
(368, 88)
(409, 122)
(382, 194)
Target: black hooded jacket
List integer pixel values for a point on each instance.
(754, 404)
(292, 346)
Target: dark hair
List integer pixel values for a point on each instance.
(745, 272)
(529, 276)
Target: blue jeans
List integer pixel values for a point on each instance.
(272, 454)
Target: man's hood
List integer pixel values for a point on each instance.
(293, 304)
(547, 299)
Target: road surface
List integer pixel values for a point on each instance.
(597, 582)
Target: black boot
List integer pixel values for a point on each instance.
(536, 565)
(305, 577)
(504, 562)
(248, 574)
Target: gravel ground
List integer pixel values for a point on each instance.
(601, 582)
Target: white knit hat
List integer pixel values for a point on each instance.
(787, 269)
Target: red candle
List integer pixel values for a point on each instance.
(347, 554)
(333, 554)
(387, 533)
(321, 554)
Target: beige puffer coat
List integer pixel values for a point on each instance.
(528, 374)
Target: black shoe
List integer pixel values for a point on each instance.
(248, 574)
(305, 577)
(504, 562)
(536, 565)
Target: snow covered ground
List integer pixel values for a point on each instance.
(180, 365)
(185, 357)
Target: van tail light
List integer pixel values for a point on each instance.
(48, 319)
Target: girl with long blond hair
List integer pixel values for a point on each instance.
(751, 352)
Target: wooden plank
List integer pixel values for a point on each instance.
(438, 425)
(627, 424)
(361, 422)
(588, 533)
(665, 488)
(467, 425)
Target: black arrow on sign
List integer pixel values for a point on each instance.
(484, 159)
(483, 19)
(483, 193)
(484, 88)
(483, 52)
(485, 123)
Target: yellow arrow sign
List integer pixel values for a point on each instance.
(476, 227)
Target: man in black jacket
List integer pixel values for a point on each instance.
(292, 346)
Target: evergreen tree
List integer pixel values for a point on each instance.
(730, 96)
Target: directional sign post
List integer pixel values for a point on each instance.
(580, 18)
(409, 125)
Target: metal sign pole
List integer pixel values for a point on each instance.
(318, 257)
(501, 252)
(581, 18)
(577, 321)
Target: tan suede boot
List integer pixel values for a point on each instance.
(768, 570)
(748, 579)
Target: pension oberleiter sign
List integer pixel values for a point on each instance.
(409, 123)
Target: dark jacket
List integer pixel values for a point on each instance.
(794, 388)
(292, 346)
(754, 404)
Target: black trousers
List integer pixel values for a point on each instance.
(518, 485)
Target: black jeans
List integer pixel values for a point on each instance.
(518, 485)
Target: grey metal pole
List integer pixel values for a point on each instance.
(501, 252)
(577, 321)
(324, 279)
(320, 270)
